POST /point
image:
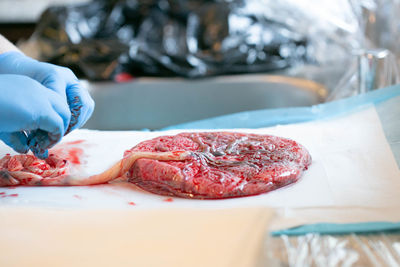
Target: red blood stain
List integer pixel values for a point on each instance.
(2, 193)
(74, 155)
(69, 153)
(132, 203)
(10, 195)
(75, 142)
(168, 199)
(78, 197)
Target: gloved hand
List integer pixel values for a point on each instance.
(58, 79)
(26, 105)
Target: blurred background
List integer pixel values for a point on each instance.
(157, 58)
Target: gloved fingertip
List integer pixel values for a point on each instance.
(70, 129)
(40, 141)
(75, 106)
(21, 146)
(21, 149)
(81, 106)
(16, 140)
(37, 150)
(40, 153)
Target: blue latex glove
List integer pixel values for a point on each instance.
(58, 79)
(26, 105)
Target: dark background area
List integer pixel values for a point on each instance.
(16, 31)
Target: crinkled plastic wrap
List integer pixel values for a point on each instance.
(354, 44)
(317, 250)
(195, 38)
(375, 65)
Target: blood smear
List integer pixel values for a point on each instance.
(11, 195)
(78, 197)
(132, 203)
(76, 142)
(168, 199)
(71, 154)
(68, 152)
(74, 155)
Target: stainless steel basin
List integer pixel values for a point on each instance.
(154, 103)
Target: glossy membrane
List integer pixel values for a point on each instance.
(224, 165)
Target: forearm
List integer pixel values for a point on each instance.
(6, 46)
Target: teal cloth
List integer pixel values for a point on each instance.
(387, 103)
(345, 228)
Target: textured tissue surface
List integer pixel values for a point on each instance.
(223, 164)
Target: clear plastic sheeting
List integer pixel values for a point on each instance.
(332, 27)
(381, 23)
(315, 250)
(370, 70)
